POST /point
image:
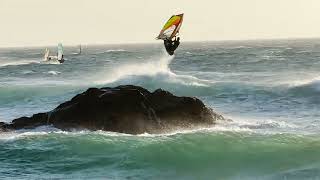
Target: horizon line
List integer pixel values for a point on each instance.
(157, 42)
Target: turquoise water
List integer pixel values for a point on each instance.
(269, 89)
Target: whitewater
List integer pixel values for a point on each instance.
(268, 90)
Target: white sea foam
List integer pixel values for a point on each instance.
(23, 133)
(153, 68)
(50, 62)
(116, 50)
(260, 125)
(307, 81)
(315, 84)
(28, 72)
(16, 63)
(54, 72)
(238, 125)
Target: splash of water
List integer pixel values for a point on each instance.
(150, 68)
(158, 69)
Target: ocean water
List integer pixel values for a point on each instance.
(270, 91)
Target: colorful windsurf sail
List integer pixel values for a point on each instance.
(171, 28)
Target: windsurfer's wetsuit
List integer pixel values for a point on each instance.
(171, 46)
(61, 60)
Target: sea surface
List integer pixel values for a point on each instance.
(270, 91)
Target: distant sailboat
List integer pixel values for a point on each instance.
(60, 53)
(46, 54)
(79, 50)
(55, 59)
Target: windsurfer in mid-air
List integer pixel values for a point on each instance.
(169, 33)
(171, 45)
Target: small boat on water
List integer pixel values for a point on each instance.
(58, 58)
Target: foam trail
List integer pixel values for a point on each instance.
(303, 82)
(115, 50)
(54, 72)
(50, 62)
(313, 83)
(16, 63)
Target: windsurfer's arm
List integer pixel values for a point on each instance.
(176, 43)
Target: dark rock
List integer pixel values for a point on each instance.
(126, 109)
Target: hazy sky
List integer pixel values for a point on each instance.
(42, 22)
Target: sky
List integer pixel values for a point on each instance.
(47, 22)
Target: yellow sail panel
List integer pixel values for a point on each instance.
(171, 28)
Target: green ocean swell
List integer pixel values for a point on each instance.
(200, 155)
